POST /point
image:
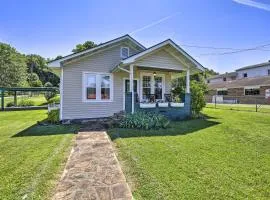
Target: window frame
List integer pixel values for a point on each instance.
(152, 83)
(252, 88)
(121, 55)
(98, 76)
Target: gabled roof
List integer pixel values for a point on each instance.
(133, 58)
(57, 62)
(254, 66)
(240, 83)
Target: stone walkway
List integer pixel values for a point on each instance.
(93, 171)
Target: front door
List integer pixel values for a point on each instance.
(126, 89)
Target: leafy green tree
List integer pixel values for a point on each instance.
(12, 67)
(37, 64)
(33, 80)
(86, 45)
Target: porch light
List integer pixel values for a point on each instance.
(155, 73)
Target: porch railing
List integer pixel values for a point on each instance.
(171, 110)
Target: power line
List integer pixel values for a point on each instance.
(239, 50)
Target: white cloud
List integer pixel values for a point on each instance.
(254, 4)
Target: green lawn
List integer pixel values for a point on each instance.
(31, 156)
(226, 156)
(241, 107)
(38, 100)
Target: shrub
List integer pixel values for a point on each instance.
(10, 104)
(144, 120)
(55, 99)
(53, 116)
(197, 97)
(51, 94)
(26, 102)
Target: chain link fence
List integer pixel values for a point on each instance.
(254, 103)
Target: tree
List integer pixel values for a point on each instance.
(33, 80)
(37, 64)
(86, 45)
(12, 67)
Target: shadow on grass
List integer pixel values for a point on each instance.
(46, 130)
(175, 128)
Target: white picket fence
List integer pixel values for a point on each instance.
(53, 106)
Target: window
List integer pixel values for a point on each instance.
(97, 87)
(224, 79)
(152, 84)
(91, 92)
(146, 87)
(105, 87)
(158, 87)
(245, 75)
(222, 92)
(252, 91)
(268, 72)
(124, 52)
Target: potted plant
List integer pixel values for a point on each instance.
(177, 102)
(146, 104)
(163, 104)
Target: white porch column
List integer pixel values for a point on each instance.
(131, 77)
(188, 81)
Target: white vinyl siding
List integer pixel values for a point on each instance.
(72, 105)
(160, 59)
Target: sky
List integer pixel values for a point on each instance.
(51, 28)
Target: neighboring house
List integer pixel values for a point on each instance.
(250, 84)
(98, 82)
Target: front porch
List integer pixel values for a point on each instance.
(152, 71)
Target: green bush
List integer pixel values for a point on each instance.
(51, 94)
(26, 102)
(53, 116)
(10, 104)
(197, 97)
(54, 100)
(144, 120)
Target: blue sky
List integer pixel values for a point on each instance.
(52, 28)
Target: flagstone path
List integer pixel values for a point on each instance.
(93, 171)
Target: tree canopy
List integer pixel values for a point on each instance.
(12, 67)
(85, 45)
(19, 70)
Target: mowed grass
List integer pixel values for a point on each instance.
(31, 156)
(226, 156)
(38, 100)
(241, 107)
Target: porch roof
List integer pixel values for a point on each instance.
(176, 56)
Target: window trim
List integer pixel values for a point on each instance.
(252, 88)
(152, 83)
(121, 55)
(98, 87)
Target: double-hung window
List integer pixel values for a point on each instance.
(97, 87)
(152, 84)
